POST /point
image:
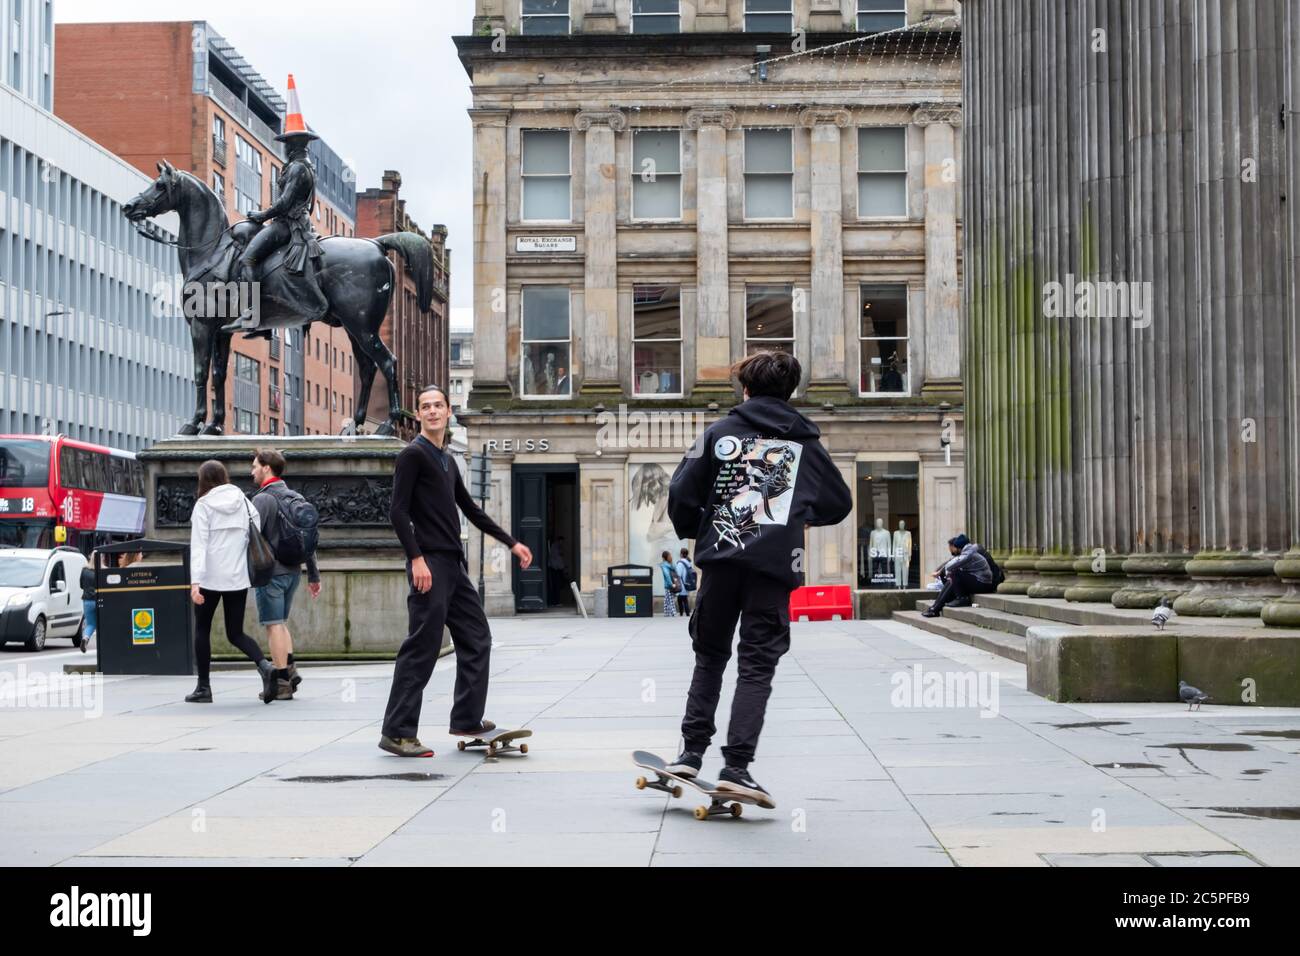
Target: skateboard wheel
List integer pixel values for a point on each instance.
(523, 748)
(677, 792)
(701, 813)
(460, 745)
(640, 783)
(735, 810)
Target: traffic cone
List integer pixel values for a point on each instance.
(294, 125)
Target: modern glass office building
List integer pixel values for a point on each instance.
(91, 342)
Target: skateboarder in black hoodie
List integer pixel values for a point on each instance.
(744, 493)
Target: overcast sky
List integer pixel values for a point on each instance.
(378, 80)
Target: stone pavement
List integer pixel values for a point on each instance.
(870, 761)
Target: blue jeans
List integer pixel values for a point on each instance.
(91, 615)
(275, 600)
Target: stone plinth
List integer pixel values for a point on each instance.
(362, 604)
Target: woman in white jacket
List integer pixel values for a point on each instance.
(219, 529)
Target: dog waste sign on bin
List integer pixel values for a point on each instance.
(145, 617)
(631, 590)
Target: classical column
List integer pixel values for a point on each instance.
(1285, 610)
(713, 332)
(600, 340)
(942, 372)
(1240, 308)
(825, 310)
(490, 171)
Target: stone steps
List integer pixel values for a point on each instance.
(1010, 646)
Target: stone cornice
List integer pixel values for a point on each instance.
(613, 118)
(489, 117)
(926, 113)
(722, 116)
(813, 115)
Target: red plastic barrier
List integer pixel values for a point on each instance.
(826, 602)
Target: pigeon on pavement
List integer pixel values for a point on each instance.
(1161, 615)
(1193, 695)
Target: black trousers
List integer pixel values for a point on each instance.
(233, 604)
(683, 605)
(961, 583)
(762, 606)
(453, 601)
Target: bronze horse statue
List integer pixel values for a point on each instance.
(357, 279)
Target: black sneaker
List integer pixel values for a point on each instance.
(929, 612)
(738, 780)
(687, 765)
(201, 695)
(962, 602)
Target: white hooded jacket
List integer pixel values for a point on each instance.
(219, 539)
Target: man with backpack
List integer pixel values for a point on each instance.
(970, 571)
(289, 523)
(690, 581)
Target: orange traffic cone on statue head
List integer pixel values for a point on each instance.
(294, 126)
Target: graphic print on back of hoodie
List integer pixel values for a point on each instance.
(754, 486)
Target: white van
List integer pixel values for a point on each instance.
(40, 595)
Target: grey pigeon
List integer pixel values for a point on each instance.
(1161, 615)
(1193, 695)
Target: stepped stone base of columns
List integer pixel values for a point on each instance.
(1020, 572)
(1055, 575)
(1229, 584)
(1284, 611)
(1152, 577)
(1100, 576)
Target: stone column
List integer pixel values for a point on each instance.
(831, 549)
(1240, 292)
(1285, 610)
(713, 333)
(600, 339)
(490, 172)
(825, 309)
(942, 372)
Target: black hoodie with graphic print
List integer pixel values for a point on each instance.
(751, 483)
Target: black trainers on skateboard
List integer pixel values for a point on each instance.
(687, 765)
(721, 802)
(738, 781)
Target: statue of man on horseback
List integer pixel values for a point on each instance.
(288, 226)
(344, 282)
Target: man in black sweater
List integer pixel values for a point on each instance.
(426, 492)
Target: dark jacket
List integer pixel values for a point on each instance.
(265, 503)
(88, 583)
(751, 483)
(972, 561)
(426, 493)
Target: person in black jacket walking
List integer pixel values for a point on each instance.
(427, 489)
(745, 492)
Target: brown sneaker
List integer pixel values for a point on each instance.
(284, 690)
(404, 747)
(485, 727)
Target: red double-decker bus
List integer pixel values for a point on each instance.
(57, 490)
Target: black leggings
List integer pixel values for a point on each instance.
(233, 602)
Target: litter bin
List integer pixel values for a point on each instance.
(146, 623)
(631, 590)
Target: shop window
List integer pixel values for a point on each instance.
(769, 318)
(545, 366)
(889, 525)
(656, 340)
(883, 340)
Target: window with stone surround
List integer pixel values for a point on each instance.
(657, 174)
(769, 174)
(877, 15)
(882, 172)
(544, 350)
(657, 341)
(769, 16)
(656, 16)
(544, 16)
(883, 340)
(769, 318)
(545, 173)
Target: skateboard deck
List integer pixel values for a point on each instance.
(721, 802)
(496, 741)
